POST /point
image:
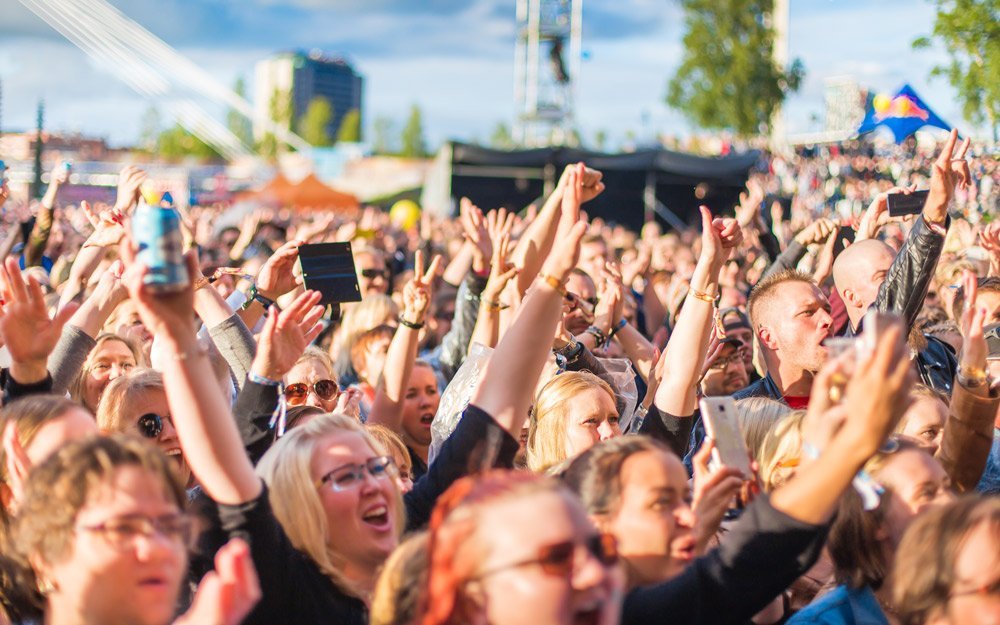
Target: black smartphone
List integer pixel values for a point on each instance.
(845, 236)
(329, 269)
(902, 204)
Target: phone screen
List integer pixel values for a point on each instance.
(329, 269)
(723, 426)
(902, 204)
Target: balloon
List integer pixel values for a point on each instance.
(881, 103)
(405, 214)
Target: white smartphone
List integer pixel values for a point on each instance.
(723, 427)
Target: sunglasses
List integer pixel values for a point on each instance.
(560, 559)
(325, 389)
(150, 425)
(371, 274)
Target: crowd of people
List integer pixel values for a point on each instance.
(507, 428)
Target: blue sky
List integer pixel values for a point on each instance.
(455, 59)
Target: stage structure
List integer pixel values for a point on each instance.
(546, 69)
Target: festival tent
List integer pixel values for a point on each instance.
(640, 186)
(310, 192)
(903, 114)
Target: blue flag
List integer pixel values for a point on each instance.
(903, 114)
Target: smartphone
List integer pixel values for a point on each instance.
(872, 326)
(992, 334)
(845, 236)
(723, 426)
(329, 269)
(902, 204)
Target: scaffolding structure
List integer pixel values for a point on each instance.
(547, 58)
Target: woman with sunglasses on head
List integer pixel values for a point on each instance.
(103, 533)
(327, 512)
(484, 567)
(310, 382)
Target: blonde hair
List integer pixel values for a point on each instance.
(373, 311)
(314, 353)
(757, 416)
(783, 443)
(389, 444)
(75, 388)
(400, 585)
(122, 392)
(547, 430)
(286, 468)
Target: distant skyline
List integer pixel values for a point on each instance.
(455, 59)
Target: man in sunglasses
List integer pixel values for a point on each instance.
(373, 274)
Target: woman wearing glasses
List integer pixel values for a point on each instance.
(311, 381)
(114, 549)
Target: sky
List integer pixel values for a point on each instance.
(455, 59)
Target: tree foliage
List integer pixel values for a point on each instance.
(315, 123)
(412, 139)
(350, 127)
(236, 121)
(502, 139)
(728, 77)
(969, 30)
(383, 131)
(177, 143)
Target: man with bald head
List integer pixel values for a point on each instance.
(871, 275)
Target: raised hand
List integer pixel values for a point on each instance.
(719, 237)
(751, 200)
(591, 185)
(277, 277)
(166, 315)
(417, 292)
(476, 231)
(349, 402)
(130, 180)
(974, 349)
(499, 225)
(713, 494)
(989, 239)
(816, 232)
(877, 213)
(950, 170)
(108, 226)
(25, 326)
(287, 334)
(226, 595)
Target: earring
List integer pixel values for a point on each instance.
(46, 587)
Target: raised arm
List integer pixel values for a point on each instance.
(387, 409)
(34, 247)
(677, 394)
(486, 330)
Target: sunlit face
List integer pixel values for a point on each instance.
(924, 422)
(728, 374)
(131, 327)
(516, 591)
(977, 566)
(990, 300)
(72, 425)
(309, 372)
(373, 276)
(109, 579)
(798, 322)
(654, 523)
(915, 481)
(362, 519)
(154, 400)
(593, 256)
(420, 404)
(591, 417)
(582, 315)
(876, 267)
(109, 360)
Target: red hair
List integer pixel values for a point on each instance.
(452, 524)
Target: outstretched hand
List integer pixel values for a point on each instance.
(226, 595)
(950, 170)
(719, 237)
(286, 335)
(167, 315)
(130, 180)
(417, 292)
(277, 276)
(974, 348)
(714, 492)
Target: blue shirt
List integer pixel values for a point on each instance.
(989, 484)
(842, 606)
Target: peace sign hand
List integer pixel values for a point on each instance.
(417, 292)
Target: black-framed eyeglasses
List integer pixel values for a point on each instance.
(150, 425)
(560, 559)
(350, 475)
(722, 362)
(371, 274)
(296, 393)
(121, 532)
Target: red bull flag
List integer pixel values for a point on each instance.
(903, 114)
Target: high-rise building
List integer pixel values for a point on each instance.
(305, 75)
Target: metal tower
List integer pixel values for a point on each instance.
(546, 68)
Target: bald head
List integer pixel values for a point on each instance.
(859, 272)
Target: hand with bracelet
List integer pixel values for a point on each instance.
(417, 292)
(286, 335)
(566, 251)
(499, 225)
(972, 363)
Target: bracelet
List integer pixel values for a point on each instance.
(705, 297)
(259, 379)
(620, 325)
(598, 334)
(971, 376)
(569, 354)
(253, 295)
(491, 305)
(556, 284)
(409, 324)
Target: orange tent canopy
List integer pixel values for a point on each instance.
(309, 193)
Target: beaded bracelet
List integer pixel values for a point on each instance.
(410, 324)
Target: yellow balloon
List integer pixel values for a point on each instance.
(405, 214)
(881, 103)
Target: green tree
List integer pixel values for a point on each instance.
(314, 125)
(177, 143)
(600, 139)
(412, 137)
(383, 130)
(970, 32)
(728, 77)
(149, 129)
(501, 137)
(350, 127)
(236, 121)
(280, 112)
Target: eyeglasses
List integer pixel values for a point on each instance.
(560, 559)
(121, 533)
(721, 363)
(150, 425)
(325, 389)
(371, 274)
(350, 475)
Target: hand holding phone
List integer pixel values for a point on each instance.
(723, 427)
(902, 204)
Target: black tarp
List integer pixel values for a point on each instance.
(493, 178)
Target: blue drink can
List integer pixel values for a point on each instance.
(157, 234)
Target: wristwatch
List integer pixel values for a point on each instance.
(568, 354)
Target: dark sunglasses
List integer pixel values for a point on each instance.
(373, 273)
(150, 425)
(587, 305)
(296, 393)
(559, 559)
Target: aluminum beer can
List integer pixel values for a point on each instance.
(156, 231)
